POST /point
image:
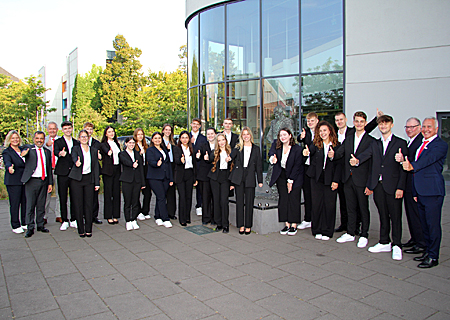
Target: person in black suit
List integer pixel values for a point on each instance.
(133, 181)
(204, 164)
(168, 143)
(286, 156)
(63, 149)
(387, 181)
(184, 176)
(141, 146)
(429, 188)
(160, 178)
(14, 167)
(220, 185)
(38, 179)
(197, 139)
(89, 127)
(109, 151)
(232, 138)
(52, 129)
(85, 181)
(325, 178)
(355, 180)
(247, 168)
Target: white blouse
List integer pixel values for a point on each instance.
(86, 161)
(115, 149)
(284, 157)
(247, 153)
(223, 162)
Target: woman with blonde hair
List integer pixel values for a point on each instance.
(247, 168)
(141, 147)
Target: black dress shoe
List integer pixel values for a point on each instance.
(82, 235)
(415, 250)
(43, 229)
(184, 224)
(218, 228)
(340, 228)
(422, 257)
(248, 232)
(45, 222)
(226, 229)
(242, 232)
(188, 222)
(29, 233)
(173, 218)
(409, 244)
(429, 263)
(97, 221)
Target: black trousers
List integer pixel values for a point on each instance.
(185, 189)
(160, 188)
(220, 189)
(430, 211)
(357, 206)
(324, 208)
(413, 218)
(111, 187)
(63, 192)
(172, 197)
(390, 211)
(198, 194)
(17, 201)
(82, 193)
(343, 205)
(36, 194)
(95, 205)
(207, 203)
(307, 196)
(147, 192)
(289, 207)
(131, 192)
(245, 196)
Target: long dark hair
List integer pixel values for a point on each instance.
(191, 149)
(291, 141)
(105, 138)
(154, 134)
(171, 140)
(318, 142)
(144, 141)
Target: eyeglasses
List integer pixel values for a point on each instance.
(83, 137)
(411, 127)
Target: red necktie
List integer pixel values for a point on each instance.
(421, 149)
(42, 162)
(53, 153)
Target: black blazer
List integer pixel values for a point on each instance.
(31, 163)
(163, 172)
(360, 174)
(307, 140)
(10, 157)
(215, 175)
(179, 166)
(203, 166)
(77, 172)
(393, 175)
(333, 169)
(368, 128)
(234, 139)
(412, 149)
(130, 174)
(294, 165)
(254, 168)
(107, 161)
(201, 139)
(64, 164)
(95, 143)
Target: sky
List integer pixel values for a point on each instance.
(37, 33)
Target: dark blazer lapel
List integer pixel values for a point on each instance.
(391, 144)
(380, 147)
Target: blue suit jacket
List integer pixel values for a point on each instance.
(163, 172)
(428, 179)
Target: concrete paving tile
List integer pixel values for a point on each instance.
(262, 271)
(119, 256)
(156, 287)
(188, 238)
(283, 305)
(86, 255)
(68, 284)
(348, 270)
(81, 304)
(96, 269)
(352, 254)
(344, 307)
(216, 316)
(100, 316)
(133, 305)
(244, 247)
(156, 257)
(193, 257)
(4, 298)
(393, 285)
(350, 288)
(172, 246)
(305, 270)
(208, 247)
(43, 244)
(390, 268)
(26, 282)
(32, 302)
(203, 288)
(56, 268)
(328, 316)
(73, 245)
(316, 259)
(25, 265)
(219, 271)
(439, 316)
(187, 307)
(234, 306)
(300, 288)
(159, 316)
(50, 255)
(386, 316)
(436, 300)
(16, 241)
(251, 288)
(233, 258)
(7, 255)
(398, 306)
(317, 246)
(97, 235)
(111, 285)
(47, 315)
(5, 313)
(156, 236)
(430, 281)
(106, 245)
(272, 258)
(123, 237)
(177, 271)
(138, 246)
(135, 270)
(279, 246)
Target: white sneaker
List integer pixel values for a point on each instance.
(159, 222)
(25, 227)
(318, 236)
(325, 238)
(17, 230)
(167, 224)
(198, 211)
(129, 226)
(396, 253)
(73, 224)
(380, 248)
(141, 217)
(345, 238)
(64, 226)
(148, 217)
(134, 224)
(304, 225)
(362, 242)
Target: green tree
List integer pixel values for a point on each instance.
(183, 58)
(12, 115)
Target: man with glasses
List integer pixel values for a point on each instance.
(52, 129)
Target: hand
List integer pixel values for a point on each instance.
(198, 154)
(399, 156)
(49, 142)
(303, 134)
(196, 183)
(379, 113)
(110, 152)
(96, 188)
(331, 153)
(193, 140)
(407, 166)
(142, 187)
(63, 152)
(368, 192)
(228, 159)
(135, 164)
(159, 163)
(78, 163)
(289, 187)
(170, 183)
(353, 161)
(11, 169)
(206, 157)
(49, 188)
(398, 194)
(306, 151)
(274, 159)
(168, 146)
(415, 199)
(231, 187)
(260, 185)
(24, 152)
(99, 156)
(334, 186)
(183, 160)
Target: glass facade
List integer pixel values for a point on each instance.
(259, 61)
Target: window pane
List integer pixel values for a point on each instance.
(193, 103)
(323, 94)
(243, 106)
(243, 39)
(322, 35)
(280, 33)
(213, 105)
(212, 42)
(193, 52)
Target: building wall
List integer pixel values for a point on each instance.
(397, 58)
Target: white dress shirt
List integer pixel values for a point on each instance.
(223, 162)
(284, 157)
(38, 172)
(115, 149)
(86, 161)
(341, 136)
(247, 154)
(69, 144)
(423, 141)
(358, 141)
(187, 158)
(326, 148)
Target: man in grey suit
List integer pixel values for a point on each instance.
(52, 129)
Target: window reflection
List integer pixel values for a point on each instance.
(193, 103)
(213, 105)
(193, 52)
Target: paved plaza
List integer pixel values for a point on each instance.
(159, 273)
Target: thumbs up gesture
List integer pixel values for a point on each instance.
(198, 154)
(135, 164)
(11, 169)
(110, 152)
(399, 156)
(228, 159)
(159, 163)
(206, 157)
(379, 113)
(168, 146)
(274, 159)
(78, 163)
(24, 152)
(306, 151)
(331, 153)
(99, 156)
(63, 152)
(407, 165)
(303, 134)
(353, 161)
(183, 160)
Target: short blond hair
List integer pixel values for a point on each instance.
(8, 138)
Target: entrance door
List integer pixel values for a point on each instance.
(444, 133)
